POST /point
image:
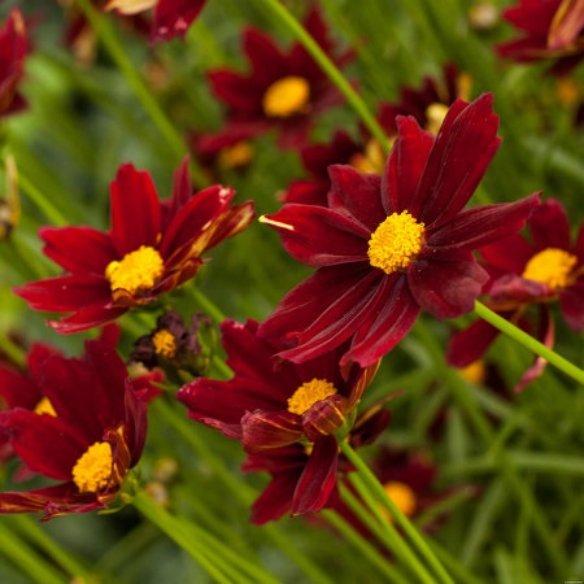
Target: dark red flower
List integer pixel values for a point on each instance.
(552, 30)
(285, 90)
(89, 433)
(171, 18)
(270, 405)
(387, 247)
(13, 49)
(152, 247)
(428, 105)
(547, 268)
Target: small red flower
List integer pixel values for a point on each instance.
(152, 248)
(387, 247)
(552, 30)
(548, 268)
(270, 405)
(87, 431)
(13, 49)
(284, 90)
(171, 18)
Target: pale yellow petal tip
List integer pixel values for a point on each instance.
(267, 221)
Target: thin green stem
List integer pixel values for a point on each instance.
(329, 68)
(205, 304)
(12, 350)
(38, 198)
(415, 537)
(529, 342)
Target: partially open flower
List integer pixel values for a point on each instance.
(152, 248)
(387, 247)
(86, 432)
(284, 90)
(552, 30)
(270, 404)
(13, 49)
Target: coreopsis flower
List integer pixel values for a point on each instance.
(387, 247)
(170, 18)
(13, 50)
(285, 90)
(428, 104)
(269, 405)
(86, 432)
(152, 248)
(551, 30)
(545, 269)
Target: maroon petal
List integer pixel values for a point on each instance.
(17, 390)
(276, 500)
(172, 18)
(405, 165)
(268, 62)
(325, 417)
(446, 289)
(572, 305)
(307, 192)
(509, 254)
(319, 236)
(86, 318)
(318, 479)
(470, 344)
(265, 430)
(549, 225)
(78, 249)
(518, 289)
(237, 91)
(135, 210)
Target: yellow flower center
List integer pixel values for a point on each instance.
(45, 407)
(93, 470)
(473, 373)
(131, 6)
(396, 242)
(403, 496)
(164, 343)
(552, 267)
(435, 114)
(236, 156)
(286, 97)
(309, 393)
(371, 160)
(137, 270)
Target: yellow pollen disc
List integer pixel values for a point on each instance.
(93, 470)
(286, 97)
(435, 113)
(403, 496)
(552, 267)
(131, 6)
(396, 242)
(371, 161)
(236, 156)
(164, 343)
(473, 373)
(308, 394)
(137, 270)
(45, 407)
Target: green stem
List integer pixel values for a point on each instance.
(14, 352)
(38, 198)
(206, 305)
(329, 68)
(529, 342)
(377, 489)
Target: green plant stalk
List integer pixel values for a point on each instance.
(12, 350)
(390, 537)
(26, 559)
(36, 196)
(329, 68)
(529, 342)
(378, 491)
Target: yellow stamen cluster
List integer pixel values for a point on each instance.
(435, 114)
(403, 496)
(93, 470)
(551, 267)
(164, 343)
(236, 156)
(371, 160)
(396, 242)
(131, 6)
(286, 97)
(474, 373)
(136, 271)
(45, 407)
(309, 393)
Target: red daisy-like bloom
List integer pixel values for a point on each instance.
(284, 90)
(270, 405)
(87, 435)
(552, 30)
(152, 248)
(387, 247)
(170, 18)
(428, 105)
(546, 269)
(13, 49)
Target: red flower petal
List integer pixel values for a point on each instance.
(135, 210)
(549, 225)
(172, 18)
(307, 192)
(237, 91)
(572, 305)
(265, 430)
(17, 390)
(470, 344)
(276, 500)
(267, 60)
(509, 254)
